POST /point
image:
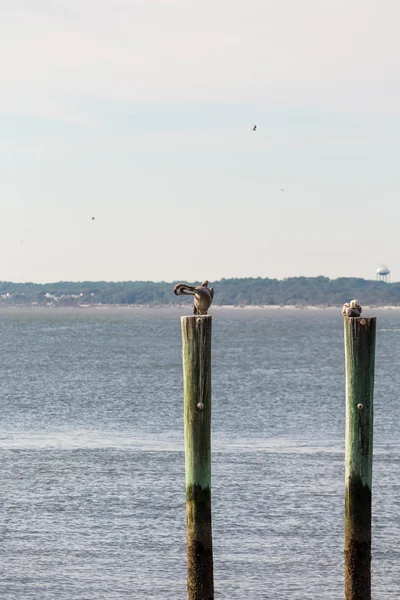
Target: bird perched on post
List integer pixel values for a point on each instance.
(203, 296)
(351, 309)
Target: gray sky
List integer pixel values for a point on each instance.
(140, 113)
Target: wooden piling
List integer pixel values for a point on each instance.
(196, 346)
(360, 336)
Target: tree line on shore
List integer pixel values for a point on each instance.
(293, 291)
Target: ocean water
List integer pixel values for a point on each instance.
(92, 492)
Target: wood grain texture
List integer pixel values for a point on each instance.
(360, 335)
(196, 347)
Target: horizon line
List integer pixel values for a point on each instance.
(163, 281)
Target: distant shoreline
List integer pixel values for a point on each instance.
(216, 307)
(249, 293)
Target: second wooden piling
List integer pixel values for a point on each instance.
(196, 346)
(360, 336)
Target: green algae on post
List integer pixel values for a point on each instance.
(360, 334)
(196, 347)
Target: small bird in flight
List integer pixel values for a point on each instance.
(255, 128)
(93, 218)
(282, 190)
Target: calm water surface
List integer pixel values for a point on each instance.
(92, 467)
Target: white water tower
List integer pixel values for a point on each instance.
(383, 274)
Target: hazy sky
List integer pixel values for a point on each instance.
(140, 113)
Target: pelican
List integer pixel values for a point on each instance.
(203, 296)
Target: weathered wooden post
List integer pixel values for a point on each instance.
(196, 350)
(360, 336)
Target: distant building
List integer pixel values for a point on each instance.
(383, 274)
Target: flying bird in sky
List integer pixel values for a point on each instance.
(93, 218)
(255, 128)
